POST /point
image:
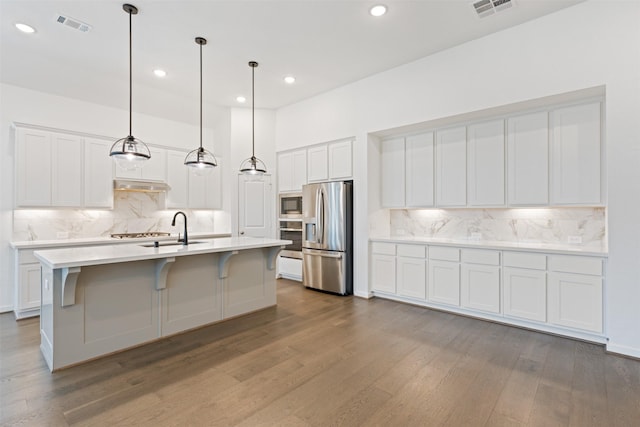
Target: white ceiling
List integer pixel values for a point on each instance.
(324, 43)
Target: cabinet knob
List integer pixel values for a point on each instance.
(242, 233)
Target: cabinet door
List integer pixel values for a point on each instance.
(525, 293)
(98, 174)
(317, 168)
(213, 188)
(575, 301)
(392, 173)
(66, 170)
(528, 159)
(29, 287)
(197, 190)
(444, 282)
(383, 273)
(33, 168)
(299, 170)
(156, 167)
(419, 173)
(575, 155)
(411, 277)
(285, 172)
(177, 178)
(451, 167)
(481, 287)
(340, 160)
(485, 164)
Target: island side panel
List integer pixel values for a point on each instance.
(117, 306)
(46, 313)
(193, 295)
(250, 285)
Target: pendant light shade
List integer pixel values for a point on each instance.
(203, 161)
(253, 165)
(130, 152)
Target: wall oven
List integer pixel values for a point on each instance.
(290, 206)
(291, 230)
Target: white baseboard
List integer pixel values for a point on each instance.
(6, 308)
(623, 350)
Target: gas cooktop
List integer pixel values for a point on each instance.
(140, 235)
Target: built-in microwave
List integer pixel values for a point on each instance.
(290, 205)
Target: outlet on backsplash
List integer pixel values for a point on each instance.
(400, 232)
(62, 234)
(575, 240)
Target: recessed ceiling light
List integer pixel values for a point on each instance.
(25, 28)
(378, 10)
(290, 80)
(241, 99)
(160, 73)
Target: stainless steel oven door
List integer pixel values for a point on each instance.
(294, 249)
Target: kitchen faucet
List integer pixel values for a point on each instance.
(185, 241)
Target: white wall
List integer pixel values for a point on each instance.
(591, 44)
(37, 108)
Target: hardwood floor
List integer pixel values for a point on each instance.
(323, 360)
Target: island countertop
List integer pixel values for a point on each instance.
(111, 254)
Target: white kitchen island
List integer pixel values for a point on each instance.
(100, 300)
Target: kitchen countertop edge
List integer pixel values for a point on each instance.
(498, 245)
(99, 241)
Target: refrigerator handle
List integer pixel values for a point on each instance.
(321, 217)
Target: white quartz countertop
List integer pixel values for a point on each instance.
(499, 245)
(95, 241)
(111, 254)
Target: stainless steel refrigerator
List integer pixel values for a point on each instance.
(327, 237)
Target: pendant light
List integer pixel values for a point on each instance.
(129, 152)
(203, 161)
(253, 165)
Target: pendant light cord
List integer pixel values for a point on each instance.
(200, 97)
(253, 106)
(130, 77)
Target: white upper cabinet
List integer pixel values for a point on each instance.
(66, 178)
(98, 176)
(340, 157)
(317, 167)
(451, 167)
(49, 169)
(178, 180)
(330, 162)
(419, 170)
(393, 170)
(485, 164)
(292, 170)
(576, 155)
(33, 168)
(528, 159)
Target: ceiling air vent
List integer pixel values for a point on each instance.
(489, 7)
(73, 23)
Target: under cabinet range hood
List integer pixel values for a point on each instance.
(140, 185)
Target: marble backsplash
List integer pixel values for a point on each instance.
(133, 212)
(530, 225)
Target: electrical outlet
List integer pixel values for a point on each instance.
(62, 234)
(475, 236)
(46, 284)
(400, 232)
(575, 240)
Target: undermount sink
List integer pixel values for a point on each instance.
(160, 244)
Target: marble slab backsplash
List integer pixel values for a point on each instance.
(523, 225)
(133, 212)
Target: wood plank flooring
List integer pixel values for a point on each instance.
(323, 360)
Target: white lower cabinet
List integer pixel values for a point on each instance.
(575, 301)
(559, 293)
(411, 271)
(27, 284)
(525, 293)
(480, 280)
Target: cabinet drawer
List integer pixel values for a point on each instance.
(479, 256)
(524, 260)
(27, 257)
(444, 253)
(412, 251)
(383, 248)
(576, 264)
